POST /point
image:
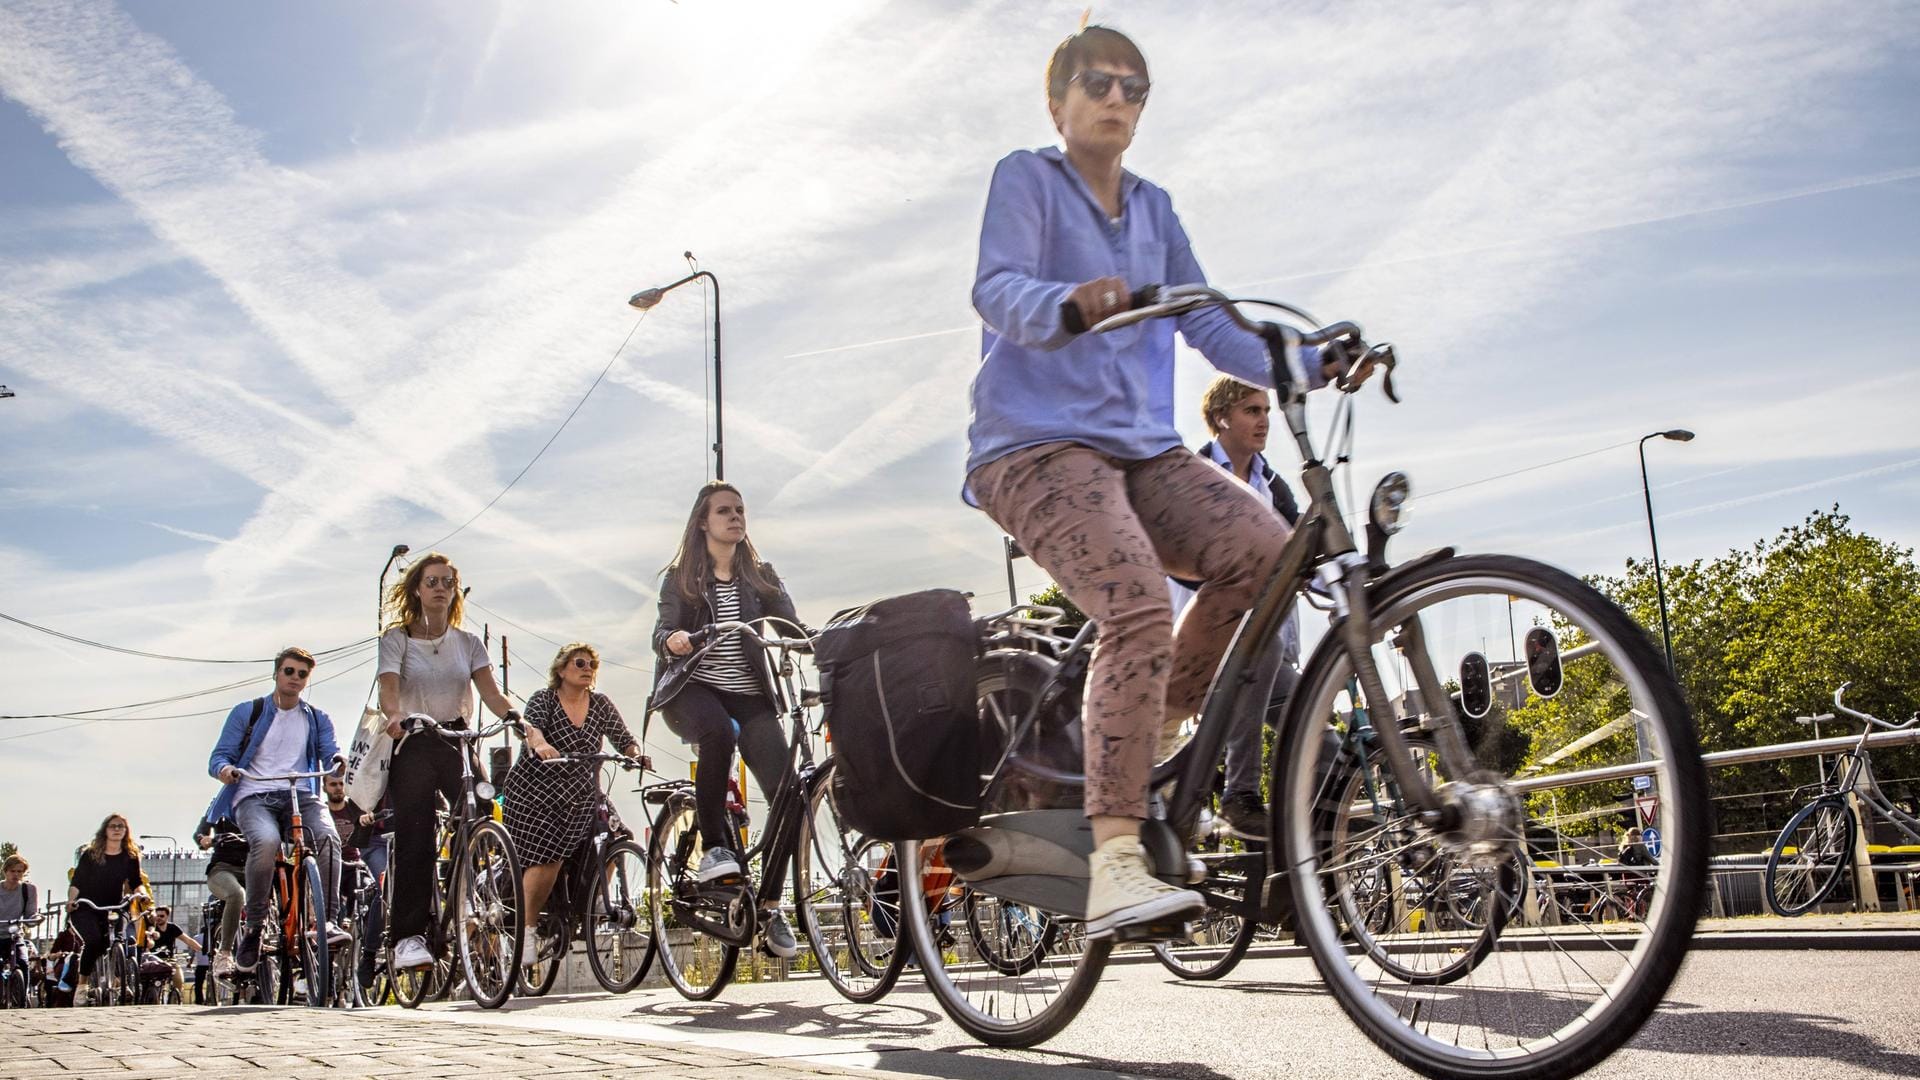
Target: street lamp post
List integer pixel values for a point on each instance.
(646, 298)
(1659, 582)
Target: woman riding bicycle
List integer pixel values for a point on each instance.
(551, 807)
(1073, 450)
(718, 576)
(427, 665)
(107, 872)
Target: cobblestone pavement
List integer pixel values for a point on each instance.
(219, 1044)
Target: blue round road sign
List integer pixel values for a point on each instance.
(1651, 836)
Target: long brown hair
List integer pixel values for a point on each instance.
(692, 565)
(96, 848)
(403, 596)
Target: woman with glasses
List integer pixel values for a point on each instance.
(107, 872)
(1073, 449)
(727, 702)
(551, 807)
(428, 665)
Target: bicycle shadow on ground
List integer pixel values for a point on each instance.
(1313, 988)
(1682, 1028)
(840, 1019)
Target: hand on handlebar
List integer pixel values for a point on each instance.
(229, 774)
(679, 643)
(1099, 298)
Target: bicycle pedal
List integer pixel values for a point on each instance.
(720, 884)
(1158, 930)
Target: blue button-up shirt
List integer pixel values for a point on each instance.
(1044, 234)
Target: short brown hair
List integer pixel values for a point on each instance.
(15, 862)
(297, 653)
(1091, 44)
(1223, 393)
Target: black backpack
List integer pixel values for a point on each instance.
(898, 679)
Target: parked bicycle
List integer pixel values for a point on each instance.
(1815, 850)
(1537, 1004)
(476, 906)
(598, 898)
(16, 966)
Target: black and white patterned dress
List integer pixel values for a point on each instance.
(551, 807)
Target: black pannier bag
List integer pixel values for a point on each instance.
(897, 676)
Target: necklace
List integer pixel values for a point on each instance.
(435, 642)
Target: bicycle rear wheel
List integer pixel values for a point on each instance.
(698, 964)
(620, 943)
(552, 939)
(1535, 1000)
(851, 922)
(489, 915)
(1810, 856)
(1017, 984)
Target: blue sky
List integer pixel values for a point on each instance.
(283, 286)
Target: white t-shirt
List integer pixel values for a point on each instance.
(437, 675)
(282, 739)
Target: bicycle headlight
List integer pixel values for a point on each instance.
(483, 791)
(1388, 507)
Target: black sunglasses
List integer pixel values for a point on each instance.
(295, 673)
(1097, 84)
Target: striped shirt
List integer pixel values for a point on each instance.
(725, 665)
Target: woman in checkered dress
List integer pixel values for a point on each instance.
(551, 807)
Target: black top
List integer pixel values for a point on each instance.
(161, 941)
(229, 843)
(101, 882)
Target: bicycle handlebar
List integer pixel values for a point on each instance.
(121, 906)
(29, 920)
(338, 769)
(697, 638)
(1155, 302)
(1873, 721)
(631, 764)
(413, 722)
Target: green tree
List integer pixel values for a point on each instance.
(1760, 636)
(1051, 596)
(8, 849)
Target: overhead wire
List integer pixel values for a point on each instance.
(577, 406)
(92, 644)
(208, 692)
(85, 720)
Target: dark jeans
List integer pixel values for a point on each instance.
(424, 766)
(705, 716)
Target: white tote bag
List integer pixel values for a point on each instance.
(371, 756)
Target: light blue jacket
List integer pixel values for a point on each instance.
(1043, 234)
(321, 748)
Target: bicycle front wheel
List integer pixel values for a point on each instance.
(698, 964)
(1018, 983)
(620, 943)
(852, 923)
(489, 916)
(311, 946)
(1591, 705)
(1810, 856)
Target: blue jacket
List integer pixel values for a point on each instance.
(321, 748)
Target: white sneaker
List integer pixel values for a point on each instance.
(1122, 891)
(529, 951)
(717, 863)
(412, 953)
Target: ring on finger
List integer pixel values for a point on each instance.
(1109, 298)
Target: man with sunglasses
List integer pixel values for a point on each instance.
(271, 736)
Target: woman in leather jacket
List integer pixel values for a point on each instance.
(719, 696)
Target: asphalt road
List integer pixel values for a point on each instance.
(1764, 1014)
